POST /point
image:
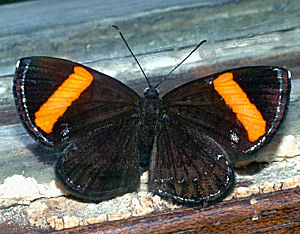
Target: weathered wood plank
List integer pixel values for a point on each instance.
(275, 212)
(88, 10)
(166, 29)
(240, 33)
(268, 54)
(276, 42)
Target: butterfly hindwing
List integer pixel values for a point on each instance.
(57, 98)
(103, 163)
(241, 108)
(188, 166)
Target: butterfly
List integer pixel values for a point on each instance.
(111, 134)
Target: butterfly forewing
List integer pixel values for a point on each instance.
(242, 108)
(58, 98)
(188, 166)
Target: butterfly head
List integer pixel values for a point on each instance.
(151, 93)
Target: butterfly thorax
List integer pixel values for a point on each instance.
(151, 104)
(149, 113)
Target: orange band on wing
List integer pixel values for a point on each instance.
(246, 112)
(62, 98)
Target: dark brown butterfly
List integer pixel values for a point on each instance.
(111, 132)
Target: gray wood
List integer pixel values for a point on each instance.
(81, 30)
(52, 13)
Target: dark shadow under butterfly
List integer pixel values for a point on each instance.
(111, 132)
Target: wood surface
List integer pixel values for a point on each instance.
(275, 212)
(239, 33)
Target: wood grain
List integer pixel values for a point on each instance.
(274, 212)
(240, 33)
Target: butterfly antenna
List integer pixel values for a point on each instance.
(180, 63)
(117, 28)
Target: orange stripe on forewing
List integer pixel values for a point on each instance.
(62, 98)
(237, 99)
